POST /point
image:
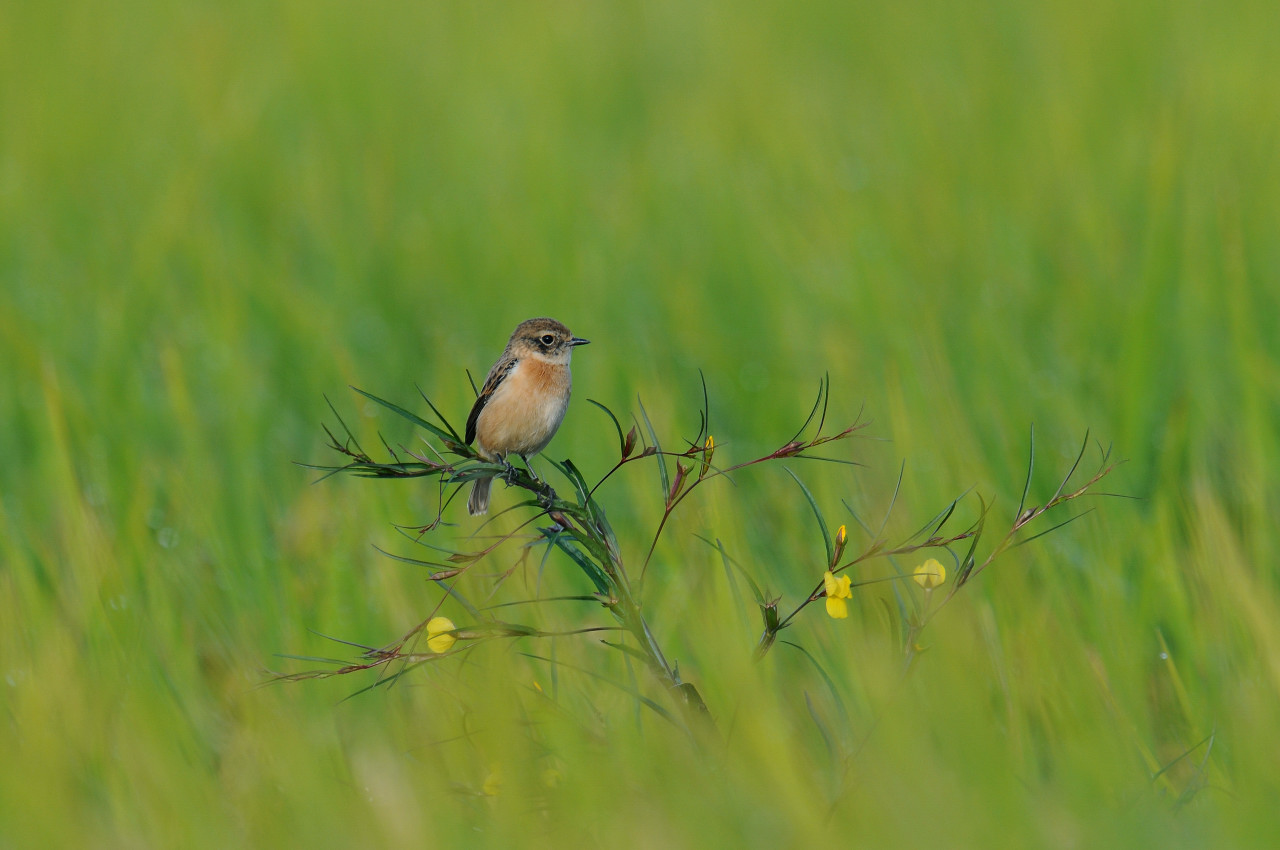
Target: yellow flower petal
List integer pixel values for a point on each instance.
(439, 637)
(930, 574)
(837, 588)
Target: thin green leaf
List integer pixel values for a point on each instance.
(428, 565)
(634, 682)
(499, 629)
(857, 518)
(472, 471)
(945, 515)
(412, 417)
(831, 685)
(313, 659)
(360, 646)
(650, 704)
(901, 599)
(1083, 448)
(817, 403)
(390, 451)
(598, 518)
(418, 540)
(391, 679)
(692, 698)
(595, 599)
(580, 486)
(1031, 465)
(631, 651)
(704, 429)
(351, 437)
(728, 562)
(822, 523)
(1054, 528)
(822, 727)
(653, 438)
(622, 440)
(839, 460)
(439, 415)
(897, 488)
(597, 575)
(329, 471)
(826, 399)
(969, 561)
(1105, 453)
(463, 601)
(950, 510)
(904, 628)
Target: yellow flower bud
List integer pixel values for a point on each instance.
(708, 451)
(842, 537)
(930, 574)
(439, 634)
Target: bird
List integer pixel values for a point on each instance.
(523, 400)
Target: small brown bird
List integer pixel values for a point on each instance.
(523, 399)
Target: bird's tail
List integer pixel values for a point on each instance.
(479, 501)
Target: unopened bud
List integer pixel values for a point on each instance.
(842, 537)
(708, 452)
(677, 483)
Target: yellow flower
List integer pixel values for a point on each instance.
(439, 634)
(930, 574)
(708, 451)
(837, 592)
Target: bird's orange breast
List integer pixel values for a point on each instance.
(525, 410)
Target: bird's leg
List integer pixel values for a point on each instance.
(508, 475)
(545, 493)
(529, 467)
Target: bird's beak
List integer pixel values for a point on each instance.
(577, 340)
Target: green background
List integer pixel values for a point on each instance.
(973, 217)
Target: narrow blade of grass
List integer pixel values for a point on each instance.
(813, 504)
(622, 440)
(1031, 465)
(653, 441)
(412, 417)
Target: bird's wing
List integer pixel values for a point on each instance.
(497, 374)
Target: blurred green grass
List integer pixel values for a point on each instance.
(972, 217)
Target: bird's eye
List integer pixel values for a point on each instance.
(547, 339)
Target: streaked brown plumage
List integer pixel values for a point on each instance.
(523, 399)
